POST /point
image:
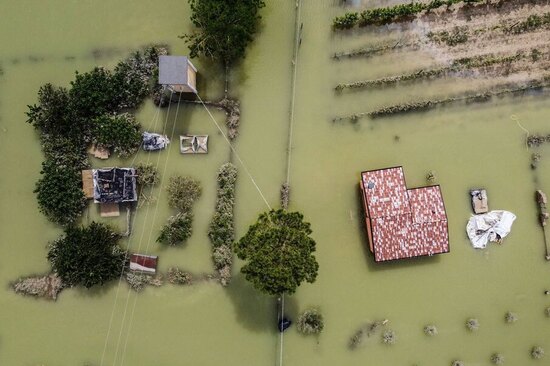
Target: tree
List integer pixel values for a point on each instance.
(224, 28)
(278, 252)
(87, 256)
(121, 133)
(177, 230)
(59, 193)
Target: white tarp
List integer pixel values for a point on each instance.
(492, 226)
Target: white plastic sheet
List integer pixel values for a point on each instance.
(492, 226)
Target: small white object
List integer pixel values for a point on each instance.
(492, 226)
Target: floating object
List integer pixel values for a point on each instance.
(99, 152)
(479, 201)
(143, 263)
(114, 185)
(492, 226)
(402, 223)
(283, 324)
(154, 141)
(109, 209)
(194, 144)
(178, 74)
(542, 200)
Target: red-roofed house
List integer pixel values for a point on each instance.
(402, 223)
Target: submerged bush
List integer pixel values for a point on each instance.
(137, 281)
(537, 352)
(147, 174)
(430, 330)
(510, 317)
(120, 134)
(547, 312)
(177, 229)
(183, 192)
(497, 358)
(179, 277)
(388, 337)
(310, 322)
(472, 324)
(457, 363)
(222, 256)
(59, 193)
(87, 256)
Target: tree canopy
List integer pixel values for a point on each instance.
(224, 28)
(87, 256)
(278, 252)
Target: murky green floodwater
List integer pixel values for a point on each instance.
(475, 145)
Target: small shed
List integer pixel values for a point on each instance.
(144, 263)
(178, 73)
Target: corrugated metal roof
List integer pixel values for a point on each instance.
(173, 70)
(405, 222)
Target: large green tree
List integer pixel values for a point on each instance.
(87, 256)
(224, 28)
(278, 251)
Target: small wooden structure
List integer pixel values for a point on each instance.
(88, 183)
(109, 209)
(479, 201)
(178, 74)
(144, 263)
(194, 144)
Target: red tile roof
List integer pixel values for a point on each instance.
(405, 222)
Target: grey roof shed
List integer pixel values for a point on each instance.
(173, 70)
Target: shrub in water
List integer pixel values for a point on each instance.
(430, 330)
(472, 324)
(510, 317)
(537, 352)
(497, 359)
(388, 337)
(457, 363)
(177, 229)
(547, 311)
(310, 322)
(147, 174)
(183, 192)
(178, 277)
(222, 256)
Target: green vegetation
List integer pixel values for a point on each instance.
(510, 317)
(401, 12)
(430, 330)
(457, 36)
(177, 230)
(388, 337)
(455, 66)
(366, 330)
(147, 174)
(119, 133)
(59, 194)
(472, 324)
(87, 256)
(278, 251)
(497, 358)
(183, 192)
(222, 227)
(224, 28)
(533, 22)
(310, 322)
(537, 352)
(68, 120)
